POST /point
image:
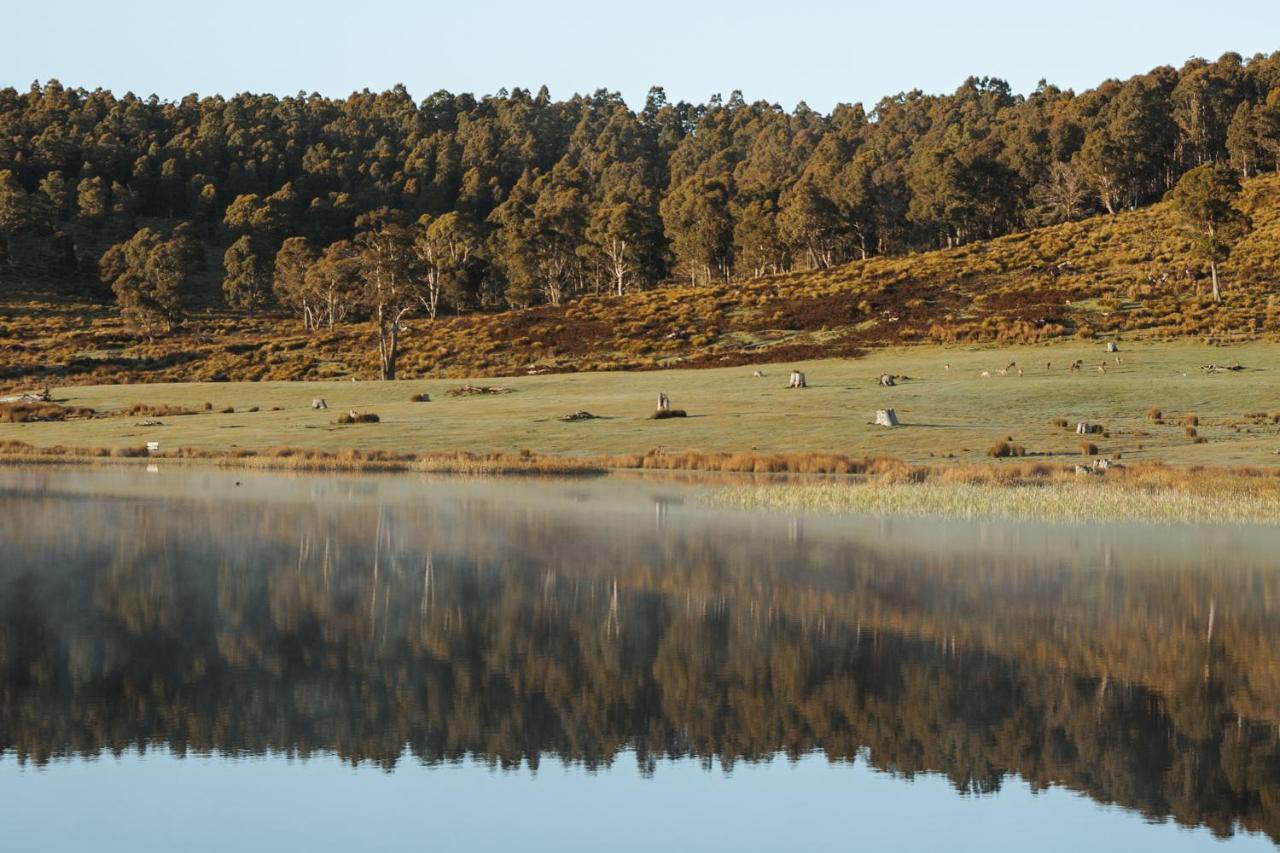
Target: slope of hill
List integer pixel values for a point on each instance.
(1127, 274)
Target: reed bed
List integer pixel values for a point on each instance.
(1091, 500)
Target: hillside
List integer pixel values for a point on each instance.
(1128, 274)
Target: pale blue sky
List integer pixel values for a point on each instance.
(781, 50)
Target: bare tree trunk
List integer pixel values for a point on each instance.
(1213, 274)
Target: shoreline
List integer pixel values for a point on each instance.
(829, 484)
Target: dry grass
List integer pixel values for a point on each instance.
(148, 410)
(1147, 493)
(21, 413)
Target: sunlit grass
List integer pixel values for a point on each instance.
(1091, 500)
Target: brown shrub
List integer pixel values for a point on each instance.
(16, 413)
(1088, 448)
(147, 410)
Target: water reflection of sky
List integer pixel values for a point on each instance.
(160, 803)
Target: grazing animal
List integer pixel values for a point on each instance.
(1102, 367)
(1004, 371)
(946, 366)
(1048, 365)
(1076, 365)
(986, 374)
(1019, 371)
(758, 374)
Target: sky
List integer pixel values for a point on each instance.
(783, 51)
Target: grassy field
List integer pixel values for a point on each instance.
(946, 413)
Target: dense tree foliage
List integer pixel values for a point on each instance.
(1205, 199)
(516, 199)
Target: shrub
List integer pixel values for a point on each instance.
(147, 410)
(358, 418)
(1061, 423)
(1154, 414)
(1004, 449)
(1191, 419)
(1088, 448)
(16, 413)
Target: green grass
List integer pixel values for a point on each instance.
(954, 413)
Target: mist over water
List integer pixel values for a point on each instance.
(311, 654)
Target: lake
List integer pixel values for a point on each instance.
(200, 659)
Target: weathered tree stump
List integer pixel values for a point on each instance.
(886, 418)
(1112, 346)
(319, 403)
(664, 404)
(797, 380)
(887, 380)
(1083, 429)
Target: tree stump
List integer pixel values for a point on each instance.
(1083, 429)
(886, 418)
(1112, 346)
(664, 404)
(319, 403)
(797, 380)
(887, 380)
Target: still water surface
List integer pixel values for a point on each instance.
(346, 663)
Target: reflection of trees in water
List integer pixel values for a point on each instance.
(512, 634)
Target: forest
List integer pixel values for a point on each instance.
(379, 207)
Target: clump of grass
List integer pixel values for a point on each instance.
(1088, 448)
(1005, 448)
(358, 418)
(29, 412)
(663, 414)
(470, 390)
(1155, 415)
(1061, 423)
(147, 410)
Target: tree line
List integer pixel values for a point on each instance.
(379, 206)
